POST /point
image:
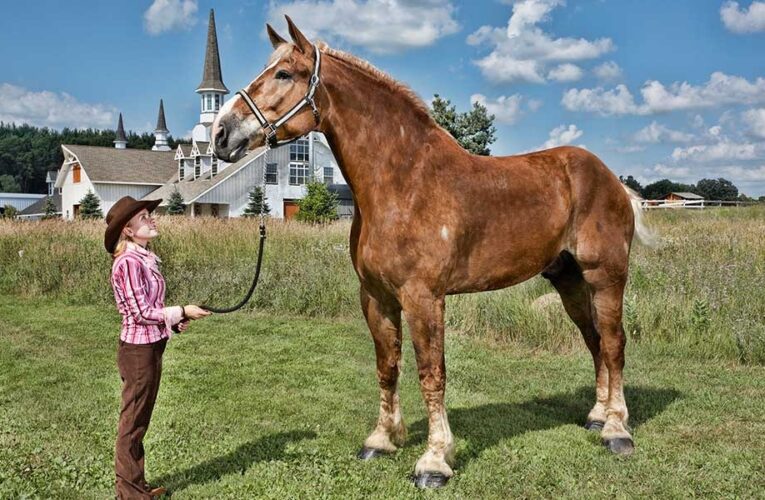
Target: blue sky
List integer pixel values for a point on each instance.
(655, 88)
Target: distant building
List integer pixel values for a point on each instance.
(209, 187)
(19, 201)
(681, 196)
(37, 209)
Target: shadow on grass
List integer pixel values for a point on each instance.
(485, 426)
(265, 449)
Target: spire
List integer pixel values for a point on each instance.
(161, 125)
(212, 79)
(121, 141)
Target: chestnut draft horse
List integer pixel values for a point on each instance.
(432, 220)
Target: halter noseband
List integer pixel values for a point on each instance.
(270, 128)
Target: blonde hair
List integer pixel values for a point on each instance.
(121, 246)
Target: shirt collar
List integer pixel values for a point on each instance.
(143, 252)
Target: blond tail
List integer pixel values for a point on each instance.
(645, 235)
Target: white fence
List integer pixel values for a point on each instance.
(695, 204)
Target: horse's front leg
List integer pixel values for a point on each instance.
(425, 314)
(383, 317)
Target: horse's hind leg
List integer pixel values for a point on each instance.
(607, 281)
(566, 277)
(384, 320)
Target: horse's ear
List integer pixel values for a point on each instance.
(298, 38)
(275, 38)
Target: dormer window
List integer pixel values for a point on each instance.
(181, 170)
(214, 165)
(76, 173)
(197, 166)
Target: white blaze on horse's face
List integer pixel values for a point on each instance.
(275, 90)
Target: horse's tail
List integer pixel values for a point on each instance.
(645, 235)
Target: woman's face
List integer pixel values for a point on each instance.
(142, 226)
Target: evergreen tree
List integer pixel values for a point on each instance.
(90, 206)
(256, 199)
(50, 208)
(474, 130)
(175, 205)
(319, 205)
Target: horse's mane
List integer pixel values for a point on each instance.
(379, 75)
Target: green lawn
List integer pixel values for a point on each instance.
(276, 407)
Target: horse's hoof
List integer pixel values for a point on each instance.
(366, 453)
(594, 425)
(430, 480)
(619, 446)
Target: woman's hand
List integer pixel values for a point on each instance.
(195, 312)
(183, 326)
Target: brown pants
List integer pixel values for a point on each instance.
(140, 368)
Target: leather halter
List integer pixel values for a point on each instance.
(270, 128)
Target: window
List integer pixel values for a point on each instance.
(217, 102)
(76, 173)
(214, 165)
(298, 174)
(299, 150)
(209, 102)
(272, 175)
(197, 166)
(329, 175)
(181, 169)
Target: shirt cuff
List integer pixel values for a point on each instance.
(173, 316)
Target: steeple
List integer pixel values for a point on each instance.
(212, 78)
(161, 132)
(121, 141)
(212, 90)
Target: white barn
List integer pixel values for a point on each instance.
(209, 187)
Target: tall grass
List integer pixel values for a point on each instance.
(701, 293)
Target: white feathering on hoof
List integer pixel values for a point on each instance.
(645, 235)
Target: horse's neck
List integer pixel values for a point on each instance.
(373, 130)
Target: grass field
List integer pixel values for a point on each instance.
(275, 400)
(273, 406)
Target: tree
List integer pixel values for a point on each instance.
(663, 187)
(50, 208)
(9, 211)
(632, 183)
(90, 206)
(9, 184)
(175, 205)
(473, 130)
(319, 205)
(256, 199)
(717, 189)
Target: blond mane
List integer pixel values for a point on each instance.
(381, 76)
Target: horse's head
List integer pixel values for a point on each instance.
(283, 84)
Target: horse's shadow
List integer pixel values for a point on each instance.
(265, 449)
(484, 426)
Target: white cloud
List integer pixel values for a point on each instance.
(674, 172)
(562, 135)
(745, 20)
(633, 148)
(656, 132)
(720, 151)
(522, 51)
(168, 15)
(739, 173)
(657, 98)
(51, 109)
(381, 26)
(506, 109)
(608, 71)
(755, 121)
(535, 104)
(566, 73)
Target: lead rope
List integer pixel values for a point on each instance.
(260, 248)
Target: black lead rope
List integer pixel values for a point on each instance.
(254, 281)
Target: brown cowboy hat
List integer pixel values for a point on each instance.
(120, 214)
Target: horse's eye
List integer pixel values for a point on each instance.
(283, 75)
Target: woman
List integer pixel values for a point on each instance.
(139, 290)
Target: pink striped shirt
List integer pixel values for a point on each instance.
(139, 290)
